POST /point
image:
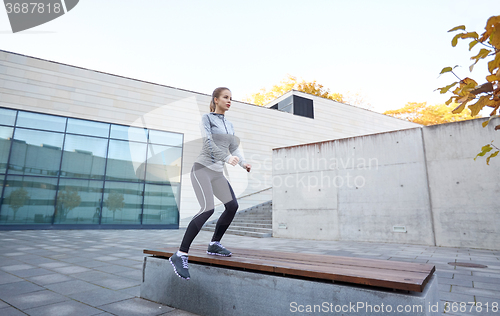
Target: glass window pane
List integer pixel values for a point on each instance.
(87, 128)
(35, 152)
(165, 138)
(7, 117)
(2, 177)
(84, 157)
(129, 133)
(122, 203)
(41, 121)
(5, 140)
(164, 164)
(78, 202)
(160, 205)
(28, 200)
(126, 161)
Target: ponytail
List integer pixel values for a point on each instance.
(216, 94)
(212, 105)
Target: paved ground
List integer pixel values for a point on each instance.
(98, 272)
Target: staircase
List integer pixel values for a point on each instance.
(255, 221)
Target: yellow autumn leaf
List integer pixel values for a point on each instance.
(492, 78)
(491, 156)
(483, 53)
(459, 108)
(491, 117)
(450, 100)
(448, 87)
(495, 63)
(460, 27)
(470, 35)
(495, 37)
(454, 41)
(446, 69)
(479, 105)
(472, 44)
(469, 81)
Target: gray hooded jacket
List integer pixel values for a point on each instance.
(219, 142)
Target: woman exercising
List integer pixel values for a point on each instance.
(220, 145)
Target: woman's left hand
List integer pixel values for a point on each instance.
(248, 167)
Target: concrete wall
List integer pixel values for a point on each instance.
(423, 179)
(465, 194)
(33, 84)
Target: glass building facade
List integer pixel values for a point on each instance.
(60, 172)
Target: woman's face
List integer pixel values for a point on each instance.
(223, 102)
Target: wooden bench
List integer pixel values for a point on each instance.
(259, 282)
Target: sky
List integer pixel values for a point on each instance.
(388, 51)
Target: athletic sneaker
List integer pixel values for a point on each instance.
(215, 248)
(180, 264)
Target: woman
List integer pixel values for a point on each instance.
(220, 146)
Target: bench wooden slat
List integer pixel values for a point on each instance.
(331, 259)
(372, 273)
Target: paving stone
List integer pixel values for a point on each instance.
(116, 269)
(66, 308)
(476, 291)
(133, 291)
(11, 311)
(106, 258)
(129, 262)
(489, 305)
(31, 272)
(91, 275)
(179, 312)
(455, 297)
(18, 288)
(444, 287)
(3, 304)
(477, 279)
(73, 260)
(444, 274)
(17, 267)
(71, 287)
(487, 275)
(460, 282)
(13, 254)
(487, 286)
(94, 264)
(34, 299)
(50, 279)
(135, 275)
(136, 307)
(7, 278)
(4, 261)
(71, 270)
(116, 283)
(53, 264)
(100, 297)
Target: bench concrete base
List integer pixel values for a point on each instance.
(215, 291)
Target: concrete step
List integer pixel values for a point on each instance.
(245, 224)
(256, 221)
(246, 228)
(251, 218)
(266, 214)
(243, 233)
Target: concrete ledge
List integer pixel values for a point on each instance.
(215, 291)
